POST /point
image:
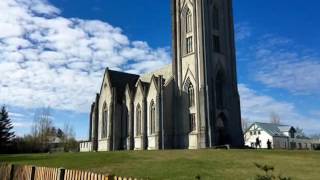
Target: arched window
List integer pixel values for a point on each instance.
(104, 121)
(189, 28)
(138, 120)
(191, 102)
(191, 95)
(152, 117)
(188, 21)
(219, 90)
(215, 14)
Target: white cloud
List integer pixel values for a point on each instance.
(49, 60)
(257, 107)
(242, 31)
(282, 64)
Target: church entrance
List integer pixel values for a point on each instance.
(221, 131)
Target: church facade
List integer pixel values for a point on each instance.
(192, 103)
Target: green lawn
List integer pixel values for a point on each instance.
(181, 164)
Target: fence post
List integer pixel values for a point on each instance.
(110, 177)
(33, 172)
(61, 173)
(12, 172)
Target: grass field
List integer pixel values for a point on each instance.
(182, 164)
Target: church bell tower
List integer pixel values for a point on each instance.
(204, 70)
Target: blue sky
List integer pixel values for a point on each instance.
(53, 53)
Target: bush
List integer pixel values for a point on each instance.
(268, 173)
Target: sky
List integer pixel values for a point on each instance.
(53, 54)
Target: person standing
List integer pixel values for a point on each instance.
(269, 144)
(258, 143)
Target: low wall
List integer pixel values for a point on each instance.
(85, 147)
(21, 172)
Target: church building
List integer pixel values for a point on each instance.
(192, 103)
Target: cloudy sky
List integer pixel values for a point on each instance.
(53, 54)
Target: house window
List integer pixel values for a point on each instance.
(251, 133)
(192, 118)
(216, 44)
(259, 132)
(215, 18)
(189, 46)
(255, 132)
(188, 21)
(191, 95)
(138, 119)
(152, 117)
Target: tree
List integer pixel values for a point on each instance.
(299, 132)
(245, 124)
(274, 118)
(42, 129)
(315, 136)
(70, 143)
(6, 134)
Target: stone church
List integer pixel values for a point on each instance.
(192, 103)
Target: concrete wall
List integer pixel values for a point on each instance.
(153, 96)
(106, 98)
(140, 99)
(280, 142)
(86, 147)
(130, 127)
(168, 114)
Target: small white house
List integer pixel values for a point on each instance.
(280, 136)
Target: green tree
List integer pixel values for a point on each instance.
(6, 133)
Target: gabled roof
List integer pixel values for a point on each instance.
(273, 129)
(144, 85)
(119, 81)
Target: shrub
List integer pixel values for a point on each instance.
(268, 173)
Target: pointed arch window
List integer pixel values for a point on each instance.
(191, 95)
(188, 21)
(216, 16)
(104, 121)
(152, 117)
(138, 120)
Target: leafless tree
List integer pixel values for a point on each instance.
(315, 136)
(42, 128)
(274, 118)
(245, 124)
(300, 132)
(70, 143)
(68, 131)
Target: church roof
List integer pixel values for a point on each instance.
(165, 71)
(274, 129)
(119, 80)
(144, 85)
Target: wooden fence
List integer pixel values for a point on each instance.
(20, 172)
